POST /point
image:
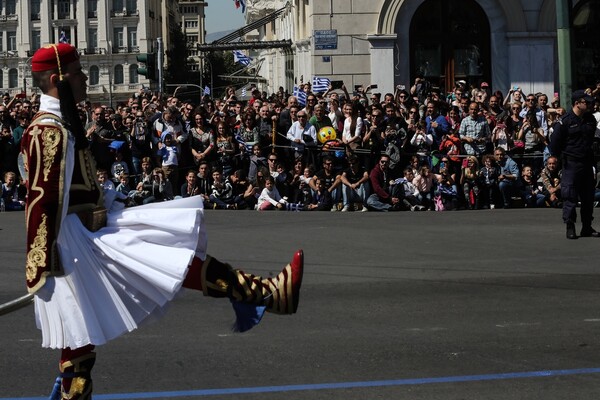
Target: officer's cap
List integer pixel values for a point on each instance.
(581, 95)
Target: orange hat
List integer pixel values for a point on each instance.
(53, 56)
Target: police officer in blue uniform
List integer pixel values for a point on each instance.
(573, 141)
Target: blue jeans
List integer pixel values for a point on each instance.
(376, 204)
(358, 195)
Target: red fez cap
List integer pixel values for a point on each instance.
(53, 56)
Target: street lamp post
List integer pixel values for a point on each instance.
(211, 73)
(24, 68)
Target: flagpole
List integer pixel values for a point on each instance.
(273, 134)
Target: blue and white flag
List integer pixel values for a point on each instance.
(244, 92)
(206, 90)
(240, 3)
(320, 84)
(63, 37)
(241, 58)
(300, 95)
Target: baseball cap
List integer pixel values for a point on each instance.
(484, 84)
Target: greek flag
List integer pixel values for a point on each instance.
(241, 3)
(320, 84)
(63, 37)
(206, 90)
(300, 95)
(241, 58)
(240, 140)
(244, 91)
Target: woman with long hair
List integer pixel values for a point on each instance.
(203, 139)
(353, 124)
(225, 149)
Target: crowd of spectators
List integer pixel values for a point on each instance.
(415, 149)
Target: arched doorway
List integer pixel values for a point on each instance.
(586, 51)
(450, 41)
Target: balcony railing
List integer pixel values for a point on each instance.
(8, 17)
(94, 50)
(9, 53)
(124, 13)
(126, 49)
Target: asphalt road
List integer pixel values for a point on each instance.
(491, 304)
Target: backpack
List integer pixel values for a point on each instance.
(393, 152)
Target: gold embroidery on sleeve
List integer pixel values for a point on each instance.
(51, 139)
(36, 257)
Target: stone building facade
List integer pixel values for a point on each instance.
(389, 42)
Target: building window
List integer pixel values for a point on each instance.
(131, 6)
(1, 78)
(36, 40)
(1, 41)
(94, 75)
(118, 5)
(11, 42)
(11, 7)
(13, 78)
(132, 33)
(586, 48)
(92, 6)
(36, 7)
(64, 8)
(191, 24)
(119, 75)
(133, 75)
(118, 37)
(92, 38)
(450, 41)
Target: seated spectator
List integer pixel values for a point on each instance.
(304, 194)
(321, 199)
(103, 180)
(190, 187)
(508, 176)
(123, 186)
(282, 180)
(10, 196)
(270, 198)
(244, 193)
(411, 199)
(162, 189)
(204, 183)
(551, 177)
(384, 197)
(469, 182)
(356, 187)
(423, 181)
(222, 192)
(446, 185)
(531, 190)
(118, 167)
(332, 181)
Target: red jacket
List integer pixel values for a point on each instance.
(379, 183)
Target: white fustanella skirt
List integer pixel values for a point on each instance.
(121, 275)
